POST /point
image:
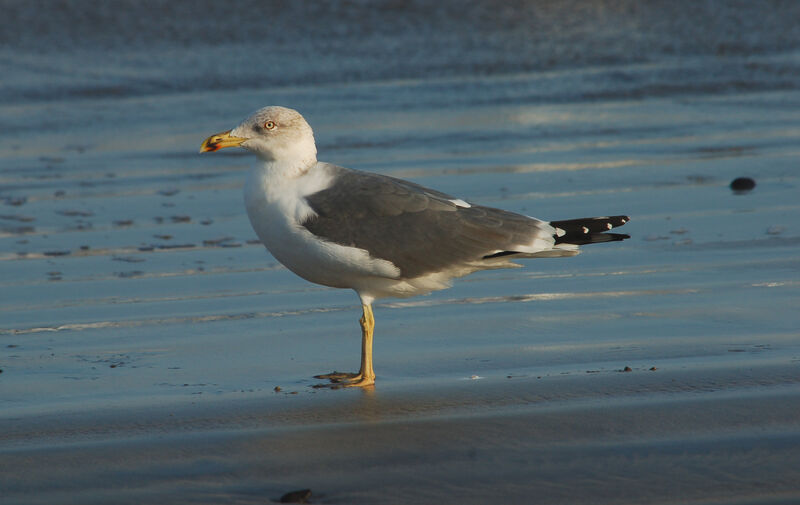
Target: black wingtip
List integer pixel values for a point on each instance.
(589, 230)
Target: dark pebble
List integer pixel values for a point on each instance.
(16, 217)
(56, 253)
(128, 259)
(16, 201)
(300, 496)
(217, 241)
(175, 246)
(627, 369)
(19, 230)
(130, 274)
(742, 184)
(73, 213)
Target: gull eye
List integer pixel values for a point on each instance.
(269, 125)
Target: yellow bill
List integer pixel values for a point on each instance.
(220, 140)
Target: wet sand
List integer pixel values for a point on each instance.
(637, 437)
(144, 331)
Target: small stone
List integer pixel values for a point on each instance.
(277, 389)
(653, 369)
(217, 241)
(130, 274)
(175, 246)
(742, 184)
(75, 213)
(300, 496)
(16, 201)
(127, 259)
(627, 369)
(18, 218)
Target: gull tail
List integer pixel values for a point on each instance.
(589, 230)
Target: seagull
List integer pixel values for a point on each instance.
(378, 235)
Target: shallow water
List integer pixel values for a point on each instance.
(143, 329)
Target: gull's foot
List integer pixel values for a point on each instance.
(345, 380)
(360, 382)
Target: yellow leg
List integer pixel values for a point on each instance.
(366, 375)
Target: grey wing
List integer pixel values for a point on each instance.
(418, 229)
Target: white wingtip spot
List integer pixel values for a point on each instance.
(461, 203)
(609, 225)
(560, 232)
(585, 229)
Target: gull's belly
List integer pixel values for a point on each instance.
(319, 261)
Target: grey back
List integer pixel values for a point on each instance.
(419, 230)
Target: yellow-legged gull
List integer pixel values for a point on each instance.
(380, 236)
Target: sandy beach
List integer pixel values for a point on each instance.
(152, 351)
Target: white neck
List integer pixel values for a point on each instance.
(284, 169)
(294, 157)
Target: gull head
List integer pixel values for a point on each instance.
(273, 133)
